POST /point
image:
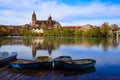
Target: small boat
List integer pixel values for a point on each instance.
(5, 58)
(59, 61)
(45, 62)
(79, 64)
(24, 64)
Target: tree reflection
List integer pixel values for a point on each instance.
(52, 43)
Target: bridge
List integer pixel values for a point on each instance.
(116, 33)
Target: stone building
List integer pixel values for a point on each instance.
(37, 24)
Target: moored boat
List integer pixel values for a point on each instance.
(5, 58)
(24, 64)
(79, 64)
(45, 62)
(59, 61)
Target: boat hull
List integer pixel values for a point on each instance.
(37, 65)
(25, 66)
(45, 62)
(46, 65)
(40, 63)
(71, 65)
(59, 61)
(6, 60)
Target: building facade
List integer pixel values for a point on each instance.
(37, 25)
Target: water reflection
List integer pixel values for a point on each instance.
(105, 51)
(78, 72)
(43, 73)
(52, 43)
(4, 54)
(43, 44)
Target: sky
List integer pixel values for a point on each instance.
(66, 12)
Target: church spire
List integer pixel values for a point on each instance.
(49, 18)
(34, 18)
(34, 13)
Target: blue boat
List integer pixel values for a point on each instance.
(5, 58)
(79, 64)
(45, 62)
(42, 62)
(59, 61)
(24, 64)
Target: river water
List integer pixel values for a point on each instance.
(106, 51)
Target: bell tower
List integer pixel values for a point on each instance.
(34, 18)
(49, 21)
(49, 18)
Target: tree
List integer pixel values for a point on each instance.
(114, 27)
(78, 32)
(86, 33)
(4, 31)
(27, 26)
(104, 29)
(66, 31)
(56, 29)
(45, 30)
(95, 32)
(44, 27)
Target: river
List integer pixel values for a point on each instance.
(106, 51)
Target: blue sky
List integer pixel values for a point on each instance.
(67, 12)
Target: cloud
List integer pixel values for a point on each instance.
(96, 22)
(19, 12)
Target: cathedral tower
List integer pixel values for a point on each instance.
(34, 18)
(49, 22)
(49, 18)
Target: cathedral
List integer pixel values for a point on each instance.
(49, 23)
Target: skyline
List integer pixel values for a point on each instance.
(66, 12)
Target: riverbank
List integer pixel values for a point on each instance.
(15, 74)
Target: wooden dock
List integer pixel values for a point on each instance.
(16, 74)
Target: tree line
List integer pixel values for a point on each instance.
(105, 30)
(96, 31)
(4, 31)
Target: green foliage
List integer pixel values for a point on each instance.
(92, 32)
(65, 32)
(104, 29)
(95, 32)
(86, 33)
(44, 27)
(114, 27)
(57, 29)
(78, 32)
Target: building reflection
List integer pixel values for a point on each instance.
(41, 44)
(50, 47)
(52, 43)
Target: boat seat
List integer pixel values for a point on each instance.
(81, 62)
(23, 62)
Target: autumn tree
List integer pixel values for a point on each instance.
(4, 31)
(78, 32)
(57, 29)
(66, 31)
(44, 27)
(114, 27)
(104, 29)
(95, 32)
